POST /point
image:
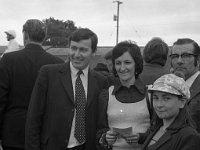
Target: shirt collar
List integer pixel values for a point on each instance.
(11, 40)
(74, 71)
(190, 80)
(138, 84)
(152, 65)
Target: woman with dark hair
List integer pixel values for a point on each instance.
(125, 105)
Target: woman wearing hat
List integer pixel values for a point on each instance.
(173, 129)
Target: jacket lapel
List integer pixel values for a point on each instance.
(179, 122)
(91, 85)
(66, 81)
(162, 140)
(194, 90)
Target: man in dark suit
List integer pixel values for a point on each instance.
(185, 59)
(52, 122)
(18, 72)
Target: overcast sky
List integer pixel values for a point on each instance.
(139, 20)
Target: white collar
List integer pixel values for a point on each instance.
(74, 71)
(190, 80)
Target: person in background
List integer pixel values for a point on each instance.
(155, 56)
(12, 44)
(184, 58)
(19, 70)
(63, 112)
(125, 104)
(108, 58)
(173, 128)
(102, 68)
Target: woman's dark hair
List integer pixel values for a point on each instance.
(134, 50)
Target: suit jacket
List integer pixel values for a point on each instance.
(18, 72)
(51, 109)
(152, 72)
(194, 102)
(178, 136)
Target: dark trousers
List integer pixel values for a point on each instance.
(81, 147)
(11, 148)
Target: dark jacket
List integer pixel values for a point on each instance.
(194, 102)
(152, 72)
(180, 135)
(52, 106)
(18, 72)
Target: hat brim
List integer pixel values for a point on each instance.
(164, 89)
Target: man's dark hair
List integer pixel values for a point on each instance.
(84, 34)
(156, 52)
(35, 29)
(189, 41)
(196, 50)
(134, 50)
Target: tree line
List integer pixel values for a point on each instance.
(58, 32)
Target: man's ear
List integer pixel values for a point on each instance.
(25, 37)
(198, 60)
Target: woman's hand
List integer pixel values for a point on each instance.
(132, 139)
(111, 137)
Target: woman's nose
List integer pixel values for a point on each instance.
(159, 103)
(122, 66)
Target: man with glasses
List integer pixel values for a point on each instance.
(185, 59)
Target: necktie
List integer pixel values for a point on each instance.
(80, 101)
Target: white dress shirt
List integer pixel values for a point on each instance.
(84, 77)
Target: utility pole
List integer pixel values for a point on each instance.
(116, 18)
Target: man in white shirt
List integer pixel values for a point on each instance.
(64, 108)
(12, 45)
(185, 58)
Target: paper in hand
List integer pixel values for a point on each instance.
(122, 131)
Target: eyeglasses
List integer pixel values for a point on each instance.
(184, 56)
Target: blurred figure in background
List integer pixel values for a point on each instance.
(184, 58)
(102, 68)
(109, 62)
(19, 70)
(12, 43)
(108, 58)
(155, 56)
